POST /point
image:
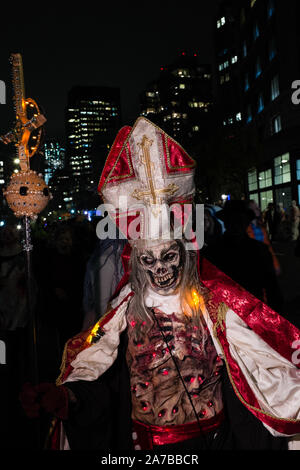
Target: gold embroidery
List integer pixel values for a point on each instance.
(118, 177)
(221, 317)
(152, 193)
(85, 339)
(166, 136)
(192, 165)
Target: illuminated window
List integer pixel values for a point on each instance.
(258, 68)
(272, 49)
(195, 128)
(255, 31)
(255, 197)
(221, 22)
(249, 114)
(252, 180)
(265, 179)
(276, 125)
(298, 169)
(234, 59)
(265, 198)
(252, 3)
(181, 85)
(275, 88)
(260, 103)
(182, 72)
(224, 65)
(238, 117)
(151, 94)
(271, 8)
(282, 169)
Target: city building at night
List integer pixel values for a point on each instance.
(54, 158)
(257, 56)
(92, 117)
(2, 181)
(180, 100)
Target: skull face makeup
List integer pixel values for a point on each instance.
(163, 264)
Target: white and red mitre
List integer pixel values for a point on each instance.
(145, 173)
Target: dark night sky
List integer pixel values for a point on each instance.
(122, 45)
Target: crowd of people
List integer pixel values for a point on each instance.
(282, 224)
(75, 274)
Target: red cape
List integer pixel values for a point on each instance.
(275, 330)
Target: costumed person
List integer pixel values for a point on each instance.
(257, 230)
(184, 358)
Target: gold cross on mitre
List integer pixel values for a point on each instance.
(151, 195)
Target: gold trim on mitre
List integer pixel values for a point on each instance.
(166, 137)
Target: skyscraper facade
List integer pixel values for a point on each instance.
(257, 59)
(93, 115)
(54, 158)
(180, 100)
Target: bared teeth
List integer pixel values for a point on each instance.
(165, 278)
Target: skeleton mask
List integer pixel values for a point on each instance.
(163, 265)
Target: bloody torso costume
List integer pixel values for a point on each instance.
(158, 395)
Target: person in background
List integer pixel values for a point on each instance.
(294, 216)
(14, 334)
(213, 227)
(245, 260)
(272, 219)
(103, 273)
(257, 230)
(63, 284)
(13, 301)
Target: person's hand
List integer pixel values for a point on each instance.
(45, 396)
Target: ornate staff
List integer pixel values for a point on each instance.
(27, 194)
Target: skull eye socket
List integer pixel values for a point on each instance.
(170, 256)
(147, 260)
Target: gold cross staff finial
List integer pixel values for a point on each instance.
(152, 193)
